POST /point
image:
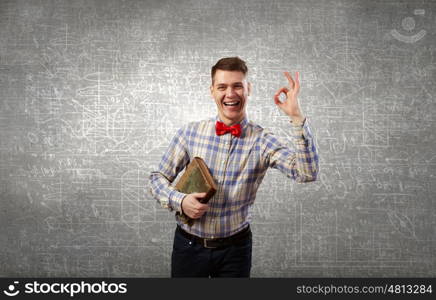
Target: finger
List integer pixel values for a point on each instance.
(199, 195)
(199, 213)
(291, 81)
(297, 80)
(198, 216)
(203, 207)
(277, 100)
(281, 90)
(277, 95)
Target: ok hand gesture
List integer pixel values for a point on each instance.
(290, 106)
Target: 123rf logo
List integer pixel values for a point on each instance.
(408, 26)
(10, 291)
(70, 289)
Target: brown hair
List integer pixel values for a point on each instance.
(229, 64)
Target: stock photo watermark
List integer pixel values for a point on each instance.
(408, 25)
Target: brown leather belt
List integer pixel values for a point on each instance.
(235, 239)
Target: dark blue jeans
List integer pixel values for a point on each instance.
(190, 259)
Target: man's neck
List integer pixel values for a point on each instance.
(230, 122)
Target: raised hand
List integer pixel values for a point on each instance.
(290, 106)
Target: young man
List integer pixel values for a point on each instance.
(238, 154)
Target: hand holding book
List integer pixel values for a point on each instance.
(199, 185)
(192, 206)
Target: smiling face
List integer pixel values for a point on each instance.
(230, 90)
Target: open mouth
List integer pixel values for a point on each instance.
(232, 103)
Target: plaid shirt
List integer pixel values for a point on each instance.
(238, 166)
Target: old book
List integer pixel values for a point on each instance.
(196, 179)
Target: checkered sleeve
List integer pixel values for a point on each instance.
(173, 161)
(299, 163)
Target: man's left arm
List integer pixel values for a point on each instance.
(300, 162)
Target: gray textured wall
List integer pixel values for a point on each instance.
(92, 91)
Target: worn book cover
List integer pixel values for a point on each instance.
(196, 179)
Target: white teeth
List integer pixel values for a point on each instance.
(231, 103)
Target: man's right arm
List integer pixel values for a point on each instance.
(173, 161)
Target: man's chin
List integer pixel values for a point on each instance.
(234, 118)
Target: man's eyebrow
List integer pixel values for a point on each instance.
(225, 84)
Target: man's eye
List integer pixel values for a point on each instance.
(221, 88)
(238, 86)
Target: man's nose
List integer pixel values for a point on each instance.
(230, 92)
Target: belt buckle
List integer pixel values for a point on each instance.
(205, 244)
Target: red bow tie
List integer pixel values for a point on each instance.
(222, 128)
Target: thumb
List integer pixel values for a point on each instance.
(199, 195)
(277, 100)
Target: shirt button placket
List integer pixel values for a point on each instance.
(227, 142)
